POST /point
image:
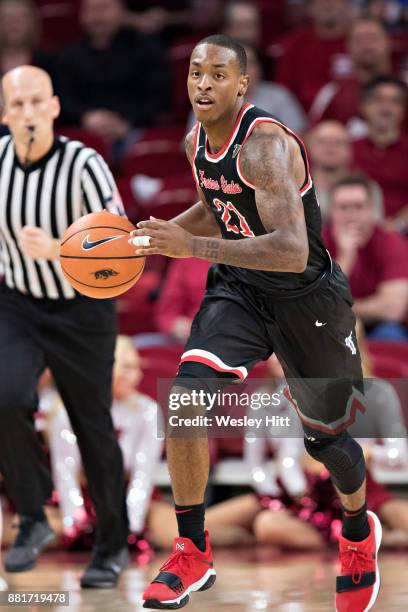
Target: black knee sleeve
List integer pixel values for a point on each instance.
(344, 459)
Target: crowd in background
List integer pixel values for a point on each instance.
(334, 71)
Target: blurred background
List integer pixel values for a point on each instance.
(334, 71)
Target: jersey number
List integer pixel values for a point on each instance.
(227, 208)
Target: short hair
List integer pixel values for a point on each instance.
(35, 30)
(384, 79)
(232, 4)
(368, 19)
(372, 189)
(220, 40)
(355, 178)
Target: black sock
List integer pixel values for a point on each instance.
(37, 516)
(355, 524)
(190, 520)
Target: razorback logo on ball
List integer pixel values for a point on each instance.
(105, 273)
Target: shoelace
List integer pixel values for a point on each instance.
(355, 561)
(176, 559)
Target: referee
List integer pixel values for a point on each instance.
(47, 182)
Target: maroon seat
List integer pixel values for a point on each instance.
(179, 59)
(132, 206)
(89, 139)
(385, 366)
(390, 358)
(159, 153)
(158, 362)
(135, 311)
(177, 193)
(60, 23)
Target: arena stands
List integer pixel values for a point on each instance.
(302, 46)
(121, 74)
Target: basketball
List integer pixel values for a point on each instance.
(96, 258)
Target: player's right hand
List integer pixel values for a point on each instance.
(166, 238)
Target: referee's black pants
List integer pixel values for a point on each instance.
(76, 340)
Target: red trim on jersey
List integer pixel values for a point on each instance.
(195, 142)
(230, 135)
(308, 180)
(213, 365)
(356, 405)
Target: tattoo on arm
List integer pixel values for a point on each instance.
(267, 161)
(271, 160)
(206, 248)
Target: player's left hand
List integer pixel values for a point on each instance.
(166, 238)
(37, 244)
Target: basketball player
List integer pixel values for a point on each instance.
(273, 288)
(46, 182)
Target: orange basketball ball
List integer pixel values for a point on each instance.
(96, 258)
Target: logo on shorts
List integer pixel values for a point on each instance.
(105, 273)
(180, 546)
(87, 245)
(319, 324)
(350, 344)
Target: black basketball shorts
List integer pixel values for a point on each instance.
(313, 336)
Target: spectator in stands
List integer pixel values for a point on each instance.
(20, 31)
(374, 259)
(181, 296)
(242, 21)
(329, 150)
(383, 153)
(315, 55)
(165, 16)
(271, 97)
(115, 79)
(207, 16)
(392, 12)
(370, 52)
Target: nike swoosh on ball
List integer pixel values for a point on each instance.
(87, 245)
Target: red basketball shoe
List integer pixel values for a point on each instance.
(359, 582)
(187, 569)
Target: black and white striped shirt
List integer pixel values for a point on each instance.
(70, 181)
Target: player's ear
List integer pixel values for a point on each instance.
(243, 84)
(3, 109)
(55, 107)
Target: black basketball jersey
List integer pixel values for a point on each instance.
(231, 197)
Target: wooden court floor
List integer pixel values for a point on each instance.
(247, 581)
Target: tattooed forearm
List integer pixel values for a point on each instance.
(206, 249)
(252, 253)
